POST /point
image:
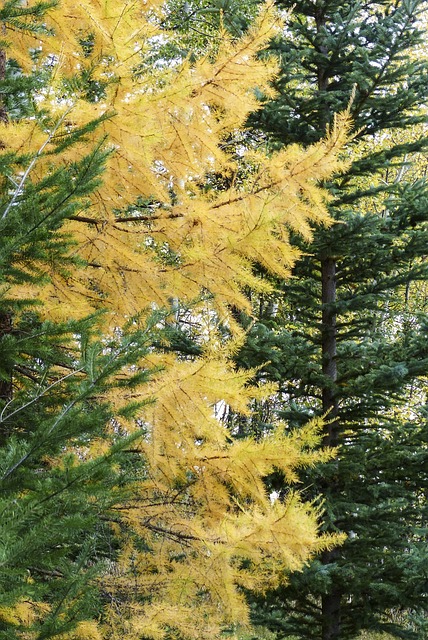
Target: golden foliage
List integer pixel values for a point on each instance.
(23, 614)
(167, 131)
(198, 523)
(200, 511)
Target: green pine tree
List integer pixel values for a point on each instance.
(56, 494)
(343, 337)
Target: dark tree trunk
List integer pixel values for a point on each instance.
(331, 612)
(329, 348)
(330, 606)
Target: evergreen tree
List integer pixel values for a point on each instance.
(62, 467)
(58, 483)
(345, 340)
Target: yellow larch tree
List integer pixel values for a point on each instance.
(198, 526)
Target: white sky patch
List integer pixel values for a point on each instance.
(273, 497)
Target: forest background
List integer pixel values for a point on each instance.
(213, 279)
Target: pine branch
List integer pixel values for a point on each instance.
(36, 398)
(19, 189)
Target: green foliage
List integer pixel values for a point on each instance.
(376, 489)
(56, 490)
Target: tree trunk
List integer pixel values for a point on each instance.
(330, 610)
(330, 605)
(329, 348)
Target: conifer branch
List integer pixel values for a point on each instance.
(177, 535)
(39, 443)
(140, 218)
(19, 188)
(53, 573)
(36, 398)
